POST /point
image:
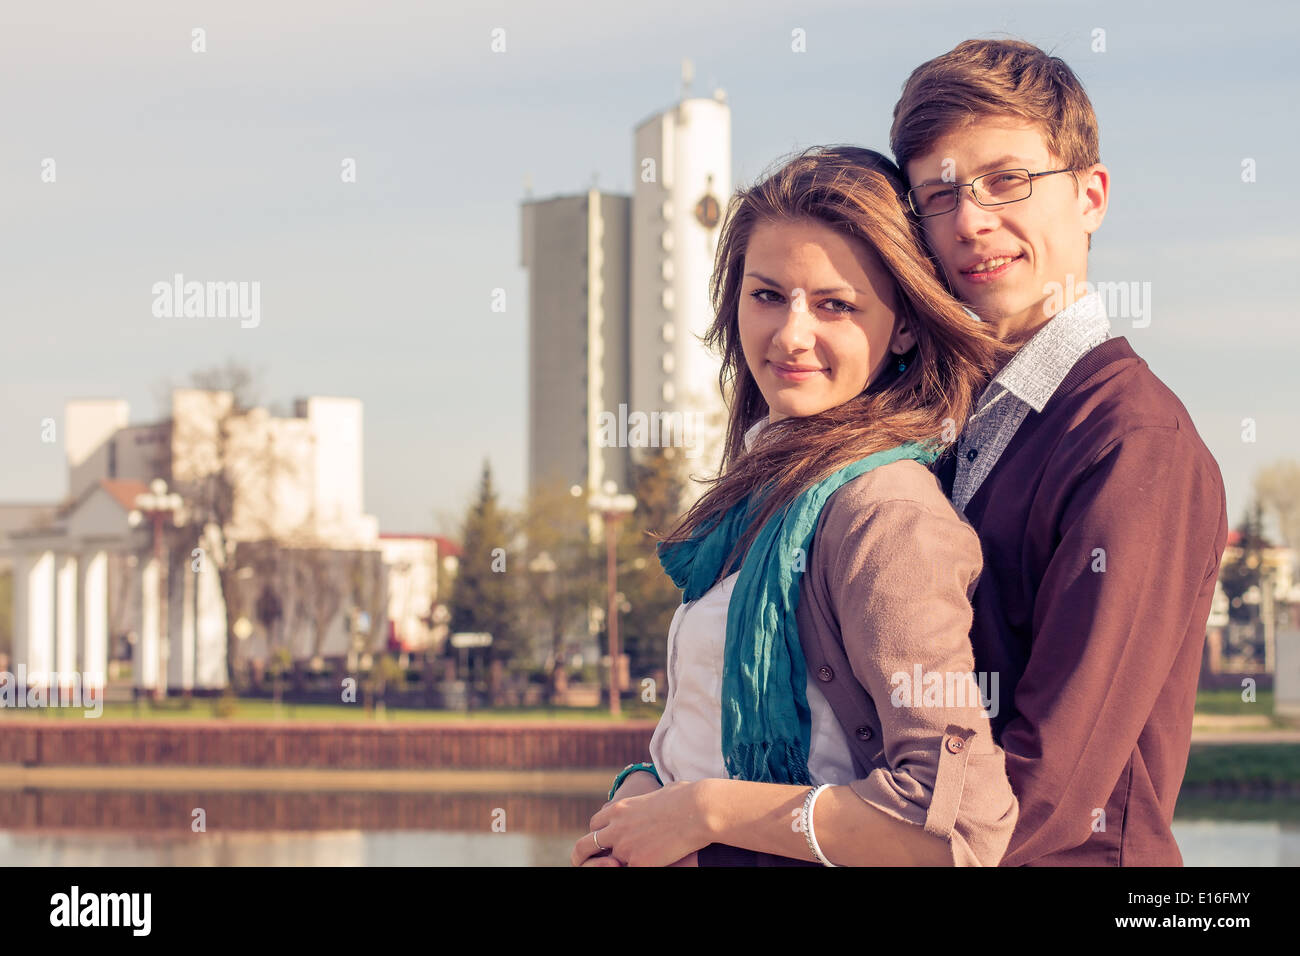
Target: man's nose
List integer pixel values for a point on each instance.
(969, 219)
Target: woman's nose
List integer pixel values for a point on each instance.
(796, 332)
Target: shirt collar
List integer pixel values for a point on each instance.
(752, 433)
(1037, 369)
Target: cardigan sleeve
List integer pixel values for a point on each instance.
(901, 568)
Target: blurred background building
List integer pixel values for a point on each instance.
(261, 543)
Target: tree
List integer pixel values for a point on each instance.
(226, 468)
(1242, 573)
(1277, 487)
(643, 633)
(563, 571)
(481, 593)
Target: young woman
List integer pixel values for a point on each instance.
(822, 706)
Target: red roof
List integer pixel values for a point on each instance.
(1234, 540)
(124, 490)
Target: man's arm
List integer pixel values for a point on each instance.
(1149, 510)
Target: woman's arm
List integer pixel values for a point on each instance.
(765, 817)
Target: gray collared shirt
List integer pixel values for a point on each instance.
(1027, 381)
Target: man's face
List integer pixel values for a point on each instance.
(1045, 237)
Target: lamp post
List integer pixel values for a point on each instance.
(612, 507)
(156, 504)
(544, 567)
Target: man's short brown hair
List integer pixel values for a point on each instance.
(983, 78)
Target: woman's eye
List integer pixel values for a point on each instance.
(758, 294)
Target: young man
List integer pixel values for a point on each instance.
(1101, 512)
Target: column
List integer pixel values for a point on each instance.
(34, 615)
(181, 600)
(65, 627)
(94, 619)
(210, 654)
(145, 663)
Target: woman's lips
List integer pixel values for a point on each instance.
(992, 274)
(794, 376)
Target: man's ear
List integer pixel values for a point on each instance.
(1094, 192)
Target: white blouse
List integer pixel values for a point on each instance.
(687, 743)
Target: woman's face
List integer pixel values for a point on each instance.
(819, 302)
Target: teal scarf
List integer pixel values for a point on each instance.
(766, 723)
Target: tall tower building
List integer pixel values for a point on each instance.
(576, 251)
(618, 300)
(681, 182)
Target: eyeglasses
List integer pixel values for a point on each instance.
(992, 189)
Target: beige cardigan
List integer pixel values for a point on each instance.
(885, 605)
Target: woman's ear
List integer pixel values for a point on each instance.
(903, 340)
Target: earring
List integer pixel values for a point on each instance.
(902, 364)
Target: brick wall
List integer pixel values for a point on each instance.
(482, 746)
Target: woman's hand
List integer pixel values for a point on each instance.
(662, 828)
(633, 785)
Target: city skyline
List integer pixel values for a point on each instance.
(226, 165)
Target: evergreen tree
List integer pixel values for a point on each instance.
(1240, 575)
(480, 596)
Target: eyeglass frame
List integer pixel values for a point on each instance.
(957, 188)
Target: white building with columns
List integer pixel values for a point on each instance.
(86, 571)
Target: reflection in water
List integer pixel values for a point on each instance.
(225, 810)
(304, 828)
(280, 848)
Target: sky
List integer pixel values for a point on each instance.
(225, 165)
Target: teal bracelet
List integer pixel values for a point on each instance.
(630, 769)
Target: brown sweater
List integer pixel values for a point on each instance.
(1103, 524)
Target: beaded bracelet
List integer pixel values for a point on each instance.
(630, 769)
(807, 822)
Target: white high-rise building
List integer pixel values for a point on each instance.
(682, 183)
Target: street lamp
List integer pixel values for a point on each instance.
(612, 507)
(156, 504)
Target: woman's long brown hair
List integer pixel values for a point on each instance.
(859, 193)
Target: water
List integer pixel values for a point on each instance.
(296, 828)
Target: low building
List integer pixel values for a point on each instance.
(258, 514)
(416, 564)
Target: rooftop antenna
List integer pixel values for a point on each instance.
(688, 76)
